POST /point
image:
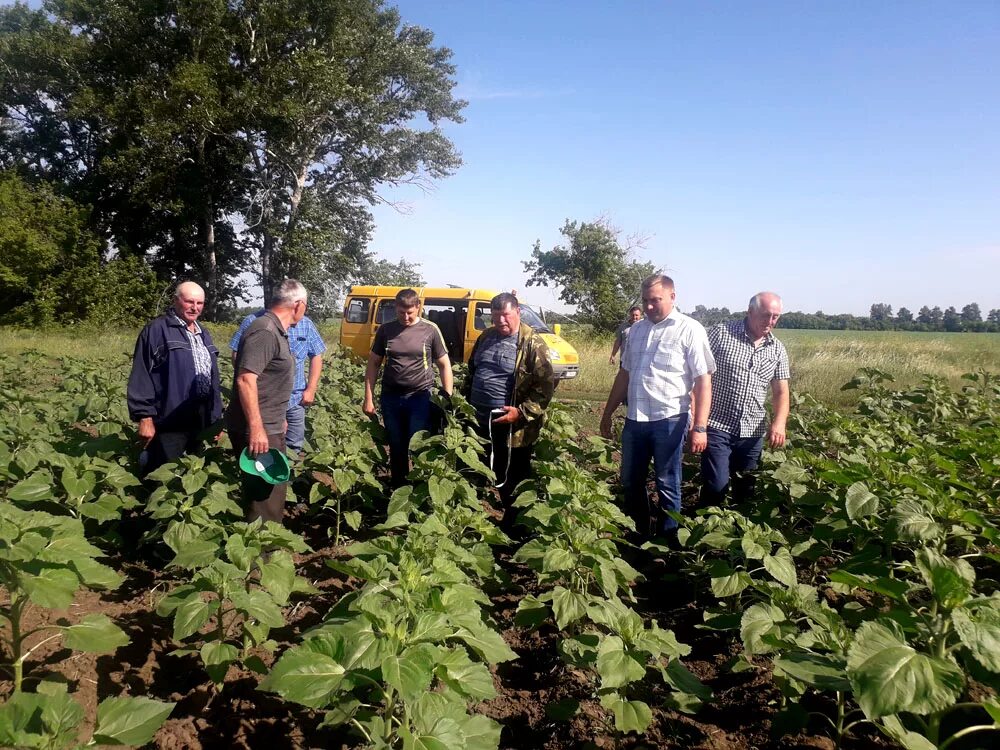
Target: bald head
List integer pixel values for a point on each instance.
(763, 313)
(189, 301)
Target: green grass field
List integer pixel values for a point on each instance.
(822, 361)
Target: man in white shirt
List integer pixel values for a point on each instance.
(667, 359)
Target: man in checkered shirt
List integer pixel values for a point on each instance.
(749, 360)
(667, 359)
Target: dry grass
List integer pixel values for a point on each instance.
(822, 361)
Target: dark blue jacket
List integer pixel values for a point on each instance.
(162, 381)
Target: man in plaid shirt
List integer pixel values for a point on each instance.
(666, 360)
(749, 360)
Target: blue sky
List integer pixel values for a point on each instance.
(838, 153)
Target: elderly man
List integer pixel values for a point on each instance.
(667, 358)
(305, 343)
(749, 359)
(510, 384)
(173, 389)
(264, 375)
(407, 345)
(621, 335)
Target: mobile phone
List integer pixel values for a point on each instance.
(498, 412)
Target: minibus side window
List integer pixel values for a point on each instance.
(357, 310)
(386, 311)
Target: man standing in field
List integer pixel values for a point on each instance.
(407, 345)
(749, 359)
(305, 343)
(264, 375)
(667, 358)
(173, 389)
(621, 335)
(510, 384)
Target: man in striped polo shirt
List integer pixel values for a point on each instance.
(749, 360)
(408, 346)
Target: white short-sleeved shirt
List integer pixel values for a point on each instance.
(663, 359)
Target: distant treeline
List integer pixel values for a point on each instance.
(881, 318)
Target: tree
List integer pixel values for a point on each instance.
(971, 313)
(904, 316)
(380, 272)
(952, 320)
(994, 316)
(596, 273)
(50, 264)
(209, 134)
(881, 312)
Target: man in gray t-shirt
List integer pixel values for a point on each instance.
(264, 374)
(407, 346)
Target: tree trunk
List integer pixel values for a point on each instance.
(208, 239)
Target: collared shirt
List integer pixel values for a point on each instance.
(304, 342)
(663, 360)
(739, 387)
(202, 359)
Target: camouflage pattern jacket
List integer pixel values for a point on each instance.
(534, 383)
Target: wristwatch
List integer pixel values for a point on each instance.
(699, 429)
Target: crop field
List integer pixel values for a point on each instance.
(853, 604)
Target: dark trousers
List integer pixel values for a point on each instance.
(511, 465)
(404, 416)
(663, 442)
(166, 447)
(261, 499)
(729, 461)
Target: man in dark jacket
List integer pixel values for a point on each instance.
(510, 384)
(173, 390)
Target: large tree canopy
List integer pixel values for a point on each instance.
(50, 265)
(215, 136)
(594, 270)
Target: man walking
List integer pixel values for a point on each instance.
(621, 335)
(304, 342)
(749, 360)
(667, 358)
(510, 384)
(407, 345)
(264, 374)
(173, 389)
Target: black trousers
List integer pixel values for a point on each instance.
(261, 499)
(511, 465)
(166, 447)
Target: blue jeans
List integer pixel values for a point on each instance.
(726, 454)
(404, 416)
(663, 441)
(295, 435)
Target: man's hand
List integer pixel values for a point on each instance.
(147, 431)
(776, 436)
(308, 396)
(512, 415)
(699, 441)
(369, 408)
(611, 359)
(257, 444)
(218, 438)
(606, 432)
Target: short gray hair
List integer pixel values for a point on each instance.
(657, 278)
(288, 293)
(757, 301)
